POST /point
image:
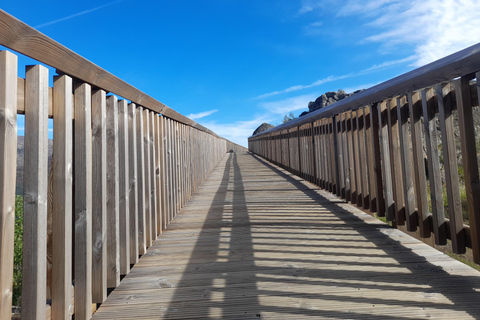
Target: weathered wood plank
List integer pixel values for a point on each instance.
(99, 201)
(113, 223)
(445, 116)
(469, 161)
(434, 175)
(153, 190)
(147, 177)
(123, 188)
(386, 164)
(133, 183)
(83, 201)
(142, 240)
(62, 201)
(420, 185)
(34, 279)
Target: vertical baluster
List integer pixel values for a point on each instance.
(123, 187)
(142, 245)
(133, 210)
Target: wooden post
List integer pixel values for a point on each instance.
(123, 188)
(386, 170)
(469, 160)
(83, 201)
(445, 115)
(99, 201)
(62, 201)
(147, 177)
(420, 186)
(34, 279)
(377, 167)
(133, 182)
(434, 174)
(140, 183)
(113, 240)
(153, 190)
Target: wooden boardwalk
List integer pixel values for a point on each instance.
(256, 242)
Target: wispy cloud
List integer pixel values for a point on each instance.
(76, 14)
(200, 115)
(434, 28)
(332, 78)
(285, 106)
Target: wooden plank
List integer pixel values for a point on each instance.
(370, 154)
(406, 163)
(133, 183)
(153, 190)
(469, 161)
(147, 177)
(34, 278)
(123, 188)
(83, 201)
(377, 167)
(396, 167)
(351, 158)
(142, 245)
(113, 223)
(434, 175)
(159, 171)
(62, 200)
(99, 201)
(420, 185)
(446, 120)
(8, 165)
(20, 37)
(384, 140)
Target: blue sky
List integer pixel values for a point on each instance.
(233, 64)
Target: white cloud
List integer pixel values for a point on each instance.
(285, 106)
(75, 15)
(434, 28)
(200, 115)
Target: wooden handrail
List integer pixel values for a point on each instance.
(18, 36)
(458, 64)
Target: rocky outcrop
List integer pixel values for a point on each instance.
(326, 99)
(263, 127)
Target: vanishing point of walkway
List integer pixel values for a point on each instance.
(256, 242)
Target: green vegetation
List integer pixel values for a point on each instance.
(288, 117)
(17, 262)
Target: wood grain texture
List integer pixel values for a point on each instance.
(113, 226)
(140, 183)
(159, 171)
(83, 201)
(34, 279)
(153, 190)
(99, 201)
(133, 183)
(420, 183)
(8, 165)
(434, 174)
(469, 161)
(147, 177)
(243, 249)
(386, 163)
(123, 187)
(62, 201)
(447, 129)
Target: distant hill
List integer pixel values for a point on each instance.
(21, 161)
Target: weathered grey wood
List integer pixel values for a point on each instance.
(434, 175)
(34, 279)
(142, 240)
(123, 188)
(113, 223)
(445, 116)
(371, 162)
(83, 201)
(147, 177)
(62, 201)
(395, 158)
(159, 172)
(406, 163)
(99, 201)
(469, 161)
(153, 190)
(377, 166)
(358, 160)
(132, 186)
(420, 185)
(386, 170)
(351, 160)
(20, 37)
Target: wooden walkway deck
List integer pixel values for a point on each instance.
(256, 242)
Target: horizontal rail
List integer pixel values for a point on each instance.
(18, 36)
(459, 64)
(405, 150)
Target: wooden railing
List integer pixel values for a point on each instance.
(381, 150)
(120, 173)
